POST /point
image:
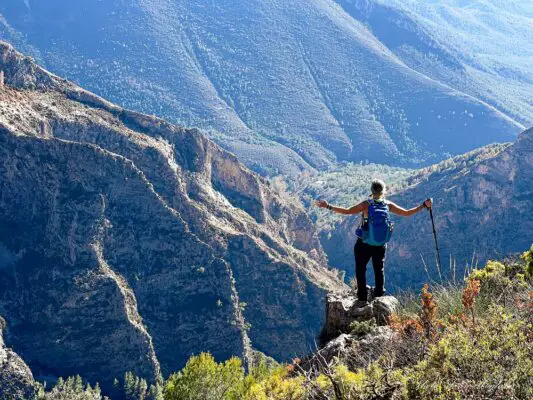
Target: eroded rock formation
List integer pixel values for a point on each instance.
(356, 335)
(128, 244)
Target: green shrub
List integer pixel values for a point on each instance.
(528, 259)
(374, 382)
(360, 328)
(492, 360)
(205, 379)
(500, 282)
(277, 385)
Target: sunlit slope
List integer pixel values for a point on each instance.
(284, 85)
(482, 47)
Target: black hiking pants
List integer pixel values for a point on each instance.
(363, 253)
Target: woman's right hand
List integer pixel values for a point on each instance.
(321, 203)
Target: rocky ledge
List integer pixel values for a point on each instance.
(342, 311)
(356, 335)
(16, 379)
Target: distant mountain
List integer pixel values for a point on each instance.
(491, 39)
(284, 85)
(483, 203)
(128, 244)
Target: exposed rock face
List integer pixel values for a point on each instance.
(128, 244)
(357, 351)
(342, 310)
(482, 210)
(16, 379)
(356, 348)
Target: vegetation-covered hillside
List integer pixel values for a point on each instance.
(345, 184)
(284, 85)
(471, 340)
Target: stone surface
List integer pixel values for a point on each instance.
(354, 350)
(128, 244)
(355, 346)
(342, 310)
(383, 308)
(16, 379)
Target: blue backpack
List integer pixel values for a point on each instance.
(377, 231)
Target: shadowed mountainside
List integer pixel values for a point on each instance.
(128, 244)
(16, 379)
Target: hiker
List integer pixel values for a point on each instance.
(373, 234)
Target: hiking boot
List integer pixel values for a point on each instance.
(361, 303)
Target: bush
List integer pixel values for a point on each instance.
(277, 385)
(361, 328)
(528, 259)
(205, 379)
(492, 359)
(374, 382)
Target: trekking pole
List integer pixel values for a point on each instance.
(435, 237)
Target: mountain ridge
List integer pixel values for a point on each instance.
(147, 233)
(254, 74)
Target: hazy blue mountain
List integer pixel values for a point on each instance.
(481, 47)
(284, 85)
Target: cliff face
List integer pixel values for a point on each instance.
(482, 207)
(16, 379)
(127, 243)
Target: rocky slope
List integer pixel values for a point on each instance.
(482, 211)
(127, 243)
(16, 379)
(254, 72)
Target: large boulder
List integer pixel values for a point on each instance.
(342, 310)
(353, 334)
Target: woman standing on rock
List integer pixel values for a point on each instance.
(373, 234)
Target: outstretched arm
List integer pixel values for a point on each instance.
(396, 209)
(339, 210)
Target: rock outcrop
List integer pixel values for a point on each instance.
(356, 335)
(342, 310)
(16, 379)
(128, 244)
